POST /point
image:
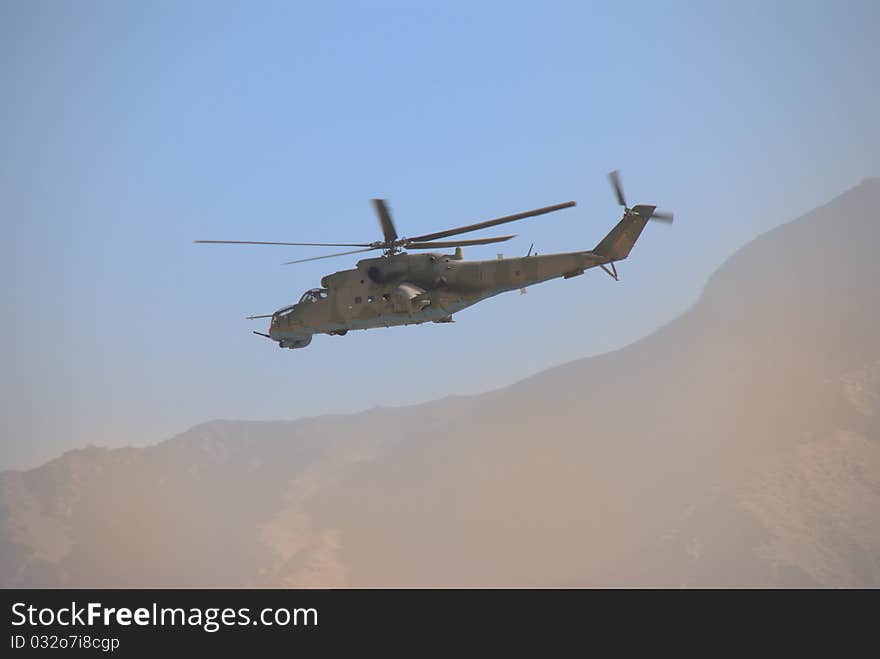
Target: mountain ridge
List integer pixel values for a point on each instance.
(870, 181)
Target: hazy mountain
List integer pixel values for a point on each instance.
(740, 444)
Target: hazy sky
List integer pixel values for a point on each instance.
(130, 129)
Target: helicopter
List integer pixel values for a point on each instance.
(401, 288)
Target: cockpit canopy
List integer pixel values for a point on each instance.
(313, 295)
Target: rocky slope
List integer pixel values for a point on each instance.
(738, 445)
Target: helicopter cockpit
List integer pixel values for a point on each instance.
(313, 295)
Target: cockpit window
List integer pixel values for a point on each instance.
(314, 295)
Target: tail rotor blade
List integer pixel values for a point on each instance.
(614, 177)
(662, 216)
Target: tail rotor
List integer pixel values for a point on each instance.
(653, 214)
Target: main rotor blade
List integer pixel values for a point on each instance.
(614, 177)
(457, 243)
(662, 216)
(492, 223)
(257, 242)
(385, 220)
(330, 256)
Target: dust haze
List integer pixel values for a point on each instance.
(737, 446)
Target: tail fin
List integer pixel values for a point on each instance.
(617, 245)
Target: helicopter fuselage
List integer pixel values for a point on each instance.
(409, 289)
(403, 288)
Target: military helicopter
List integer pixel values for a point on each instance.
(400, 288)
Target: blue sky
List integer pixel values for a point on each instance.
(130, 129)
